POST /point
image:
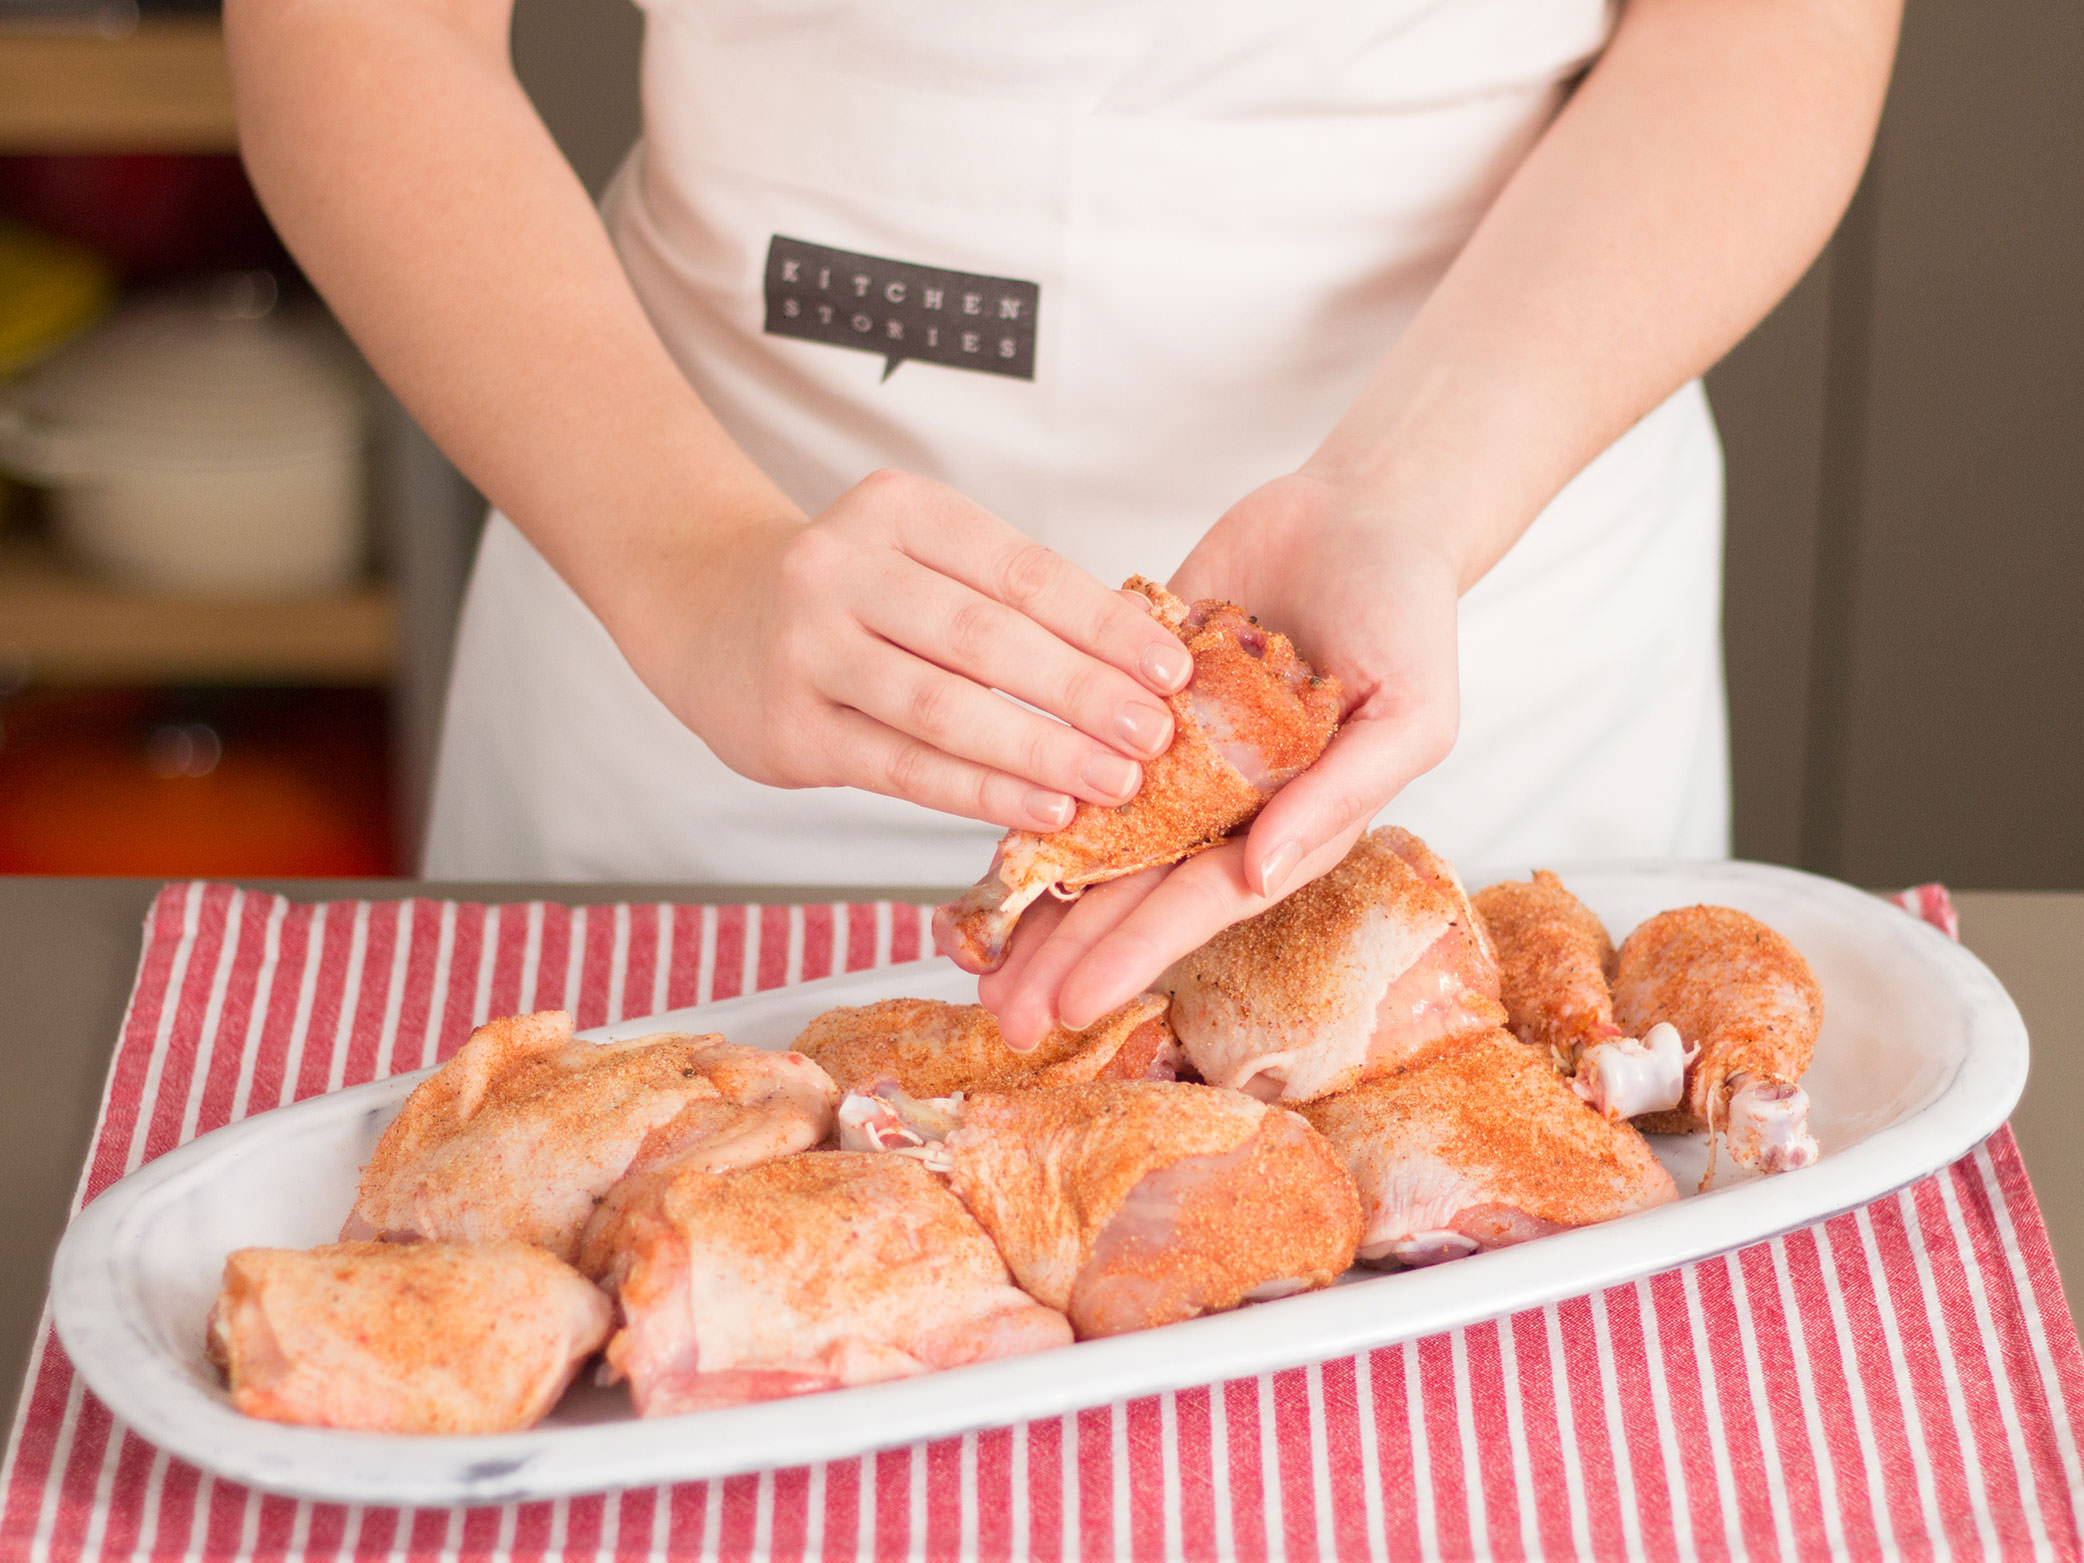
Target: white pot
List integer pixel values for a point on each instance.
(202, 444)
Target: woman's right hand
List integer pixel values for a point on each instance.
(410, 175)
(862, 648)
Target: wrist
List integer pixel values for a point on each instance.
(690, 575)
(1432, 526)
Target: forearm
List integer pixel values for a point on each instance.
(1686, 186)
(410, 176)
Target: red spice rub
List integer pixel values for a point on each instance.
(1192, 796)
(1244, 1195)
(1375, 966)
(930, 1048)
(1497, 1119)
(808, 1273)
(1553, 959)
(403, 1338)
(1733, 987)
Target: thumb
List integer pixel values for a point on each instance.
(1373, 758)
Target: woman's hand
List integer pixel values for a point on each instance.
(1365, 592)
(862, 649)
(400, 159)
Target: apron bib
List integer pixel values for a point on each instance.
(1105, 269)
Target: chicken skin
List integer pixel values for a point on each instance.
(1252, 716)
(1553, 959)
(810, 1273)
(1138, 1203)
(1379, 965)
(404, 1338)
(525, 1129)
(1480, 1149)
(929, 1048)
(1744, 998)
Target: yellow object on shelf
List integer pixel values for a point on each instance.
(50, 291)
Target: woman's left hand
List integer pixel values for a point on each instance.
(1366, 593)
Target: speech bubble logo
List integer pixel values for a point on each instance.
(900, 310)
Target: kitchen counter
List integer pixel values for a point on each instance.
(69, 948)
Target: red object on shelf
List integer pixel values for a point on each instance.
(276, 783)
(155, 214)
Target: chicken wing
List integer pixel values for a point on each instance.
(404, 1338)
(810, 1273)
(1251, 718)
(1378, 965)
(929, 1048)
(525, 1129)
(1742, 996)
(1553, 959)
(1129, 1204)
(1482, 1148)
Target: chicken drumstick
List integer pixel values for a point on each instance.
(1553, 960)
(1252, 716)
(1748, 1003)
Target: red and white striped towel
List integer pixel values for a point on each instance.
(1903, 1380)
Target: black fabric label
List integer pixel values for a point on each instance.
(898, 310)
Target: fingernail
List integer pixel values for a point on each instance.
(1052, 808)
(1166, 664)
(1025, 1030)
(1278, 867)
(1146, 729)
(1110, 775)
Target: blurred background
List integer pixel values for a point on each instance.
(230, 565)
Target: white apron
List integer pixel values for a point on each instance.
(1227, 211)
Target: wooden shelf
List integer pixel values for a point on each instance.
(61, 627)
(164, 88)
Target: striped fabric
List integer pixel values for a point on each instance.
(1902, 1380)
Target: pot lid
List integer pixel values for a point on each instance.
(198, 375)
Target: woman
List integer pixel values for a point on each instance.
(907, 332)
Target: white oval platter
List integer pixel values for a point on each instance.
(1922, 1055)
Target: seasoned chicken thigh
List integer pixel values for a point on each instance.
(810, 1273)
(929, 1048)
(1553, 960)
(1380, 964)
(1252, 716)
(1482, 1148)
(404, 1338)
(1744, 998)
(1133, 1204)
(525, 1129)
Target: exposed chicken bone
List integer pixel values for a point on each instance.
(1626, 1076)
(1768, 1125)
(884, 1118)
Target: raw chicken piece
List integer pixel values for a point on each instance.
(1129, 1204)
(525, 1129)
(404, 1338)
(1377, 966)
(929, 1048)
(1553, 960)
(1480, 1149)
(814, 1272)
(1746, 1000)
(1251, 718)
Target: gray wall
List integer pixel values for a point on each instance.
(1905, 440)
